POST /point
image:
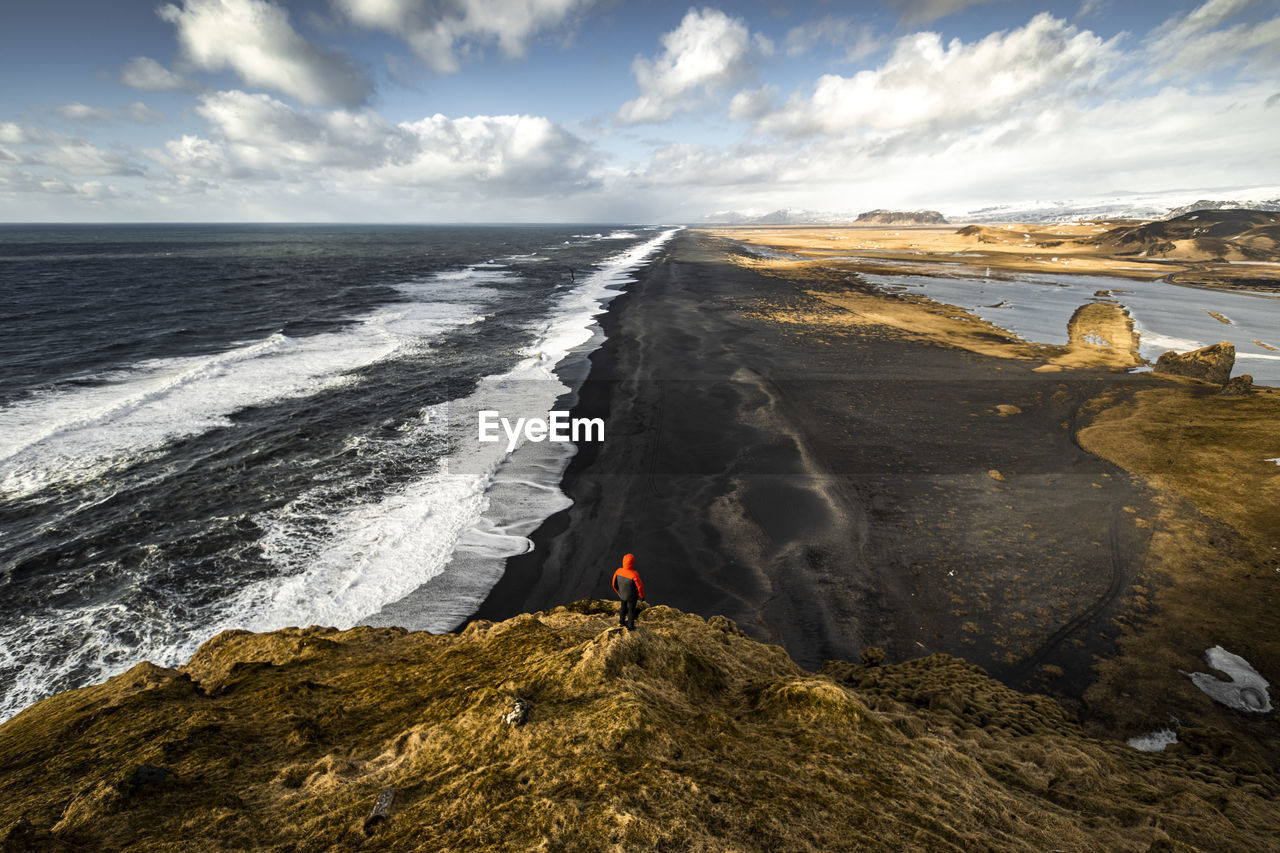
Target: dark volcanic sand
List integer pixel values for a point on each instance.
(829, 490)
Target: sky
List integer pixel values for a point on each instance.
(609, 111)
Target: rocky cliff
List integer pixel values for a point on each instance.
(556, 731)
(900, 217)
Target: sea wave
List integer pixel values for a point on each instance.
(481, 500)
(327, 556)
(81, 432)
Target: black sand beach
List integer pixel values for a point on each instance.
(832, 488)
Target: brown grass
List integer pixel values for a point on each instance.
(1214, 561)
(685, 735)
(840, 300)
(1055, 248)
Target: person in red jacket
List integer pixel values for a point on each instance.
(626, 583)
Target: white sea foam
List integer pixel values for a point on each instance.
(481, 499)
(336, 568)
(360, 558)
(86, 646)
(612, 235)
(1161, 343)
(76, 434)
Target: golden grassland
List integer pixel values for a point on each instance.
(1076, 248)
(1100, 336)
(684, 735)
(687, 735)
(1214, 561)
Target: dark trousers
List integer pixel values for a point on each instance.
(627, 609)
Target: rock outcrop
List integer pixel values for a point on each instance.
(900, 217)
(1102, 333)
(1238, 386)
(684, 735)
(1208, 364)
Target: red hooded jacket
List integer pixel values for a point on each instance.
(629, 573)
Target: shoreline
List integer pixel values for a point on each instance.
(878, 469)
(784, 520)
(592, 401)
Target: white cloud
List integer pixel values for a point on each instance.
(254, 39)
(26, 182)
(858, 41)
(925, 88)
(76, 111)
(1089, 8)
(1045, 110)
(15, 134)
(145, 73)
(136, 111)
(519, 153)
(690, 165)
(925, 11)
(1190, 45)
(443, 32)
(707, 53)
(256, 136)
(37, 147)
(751, 104)
(1174, 138)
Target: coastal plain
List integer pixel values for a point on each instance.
(1225, 248)
(915, 581)
(835, 467)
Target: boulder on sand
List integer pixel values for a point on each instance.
(1210, 364)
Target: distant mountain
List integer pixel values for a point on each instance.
(1206, 204)
(901, 217)
(1228, 234)
(782, 216)
(791, 216)
(1145, 206)
(1126, 206)
(1063, 211)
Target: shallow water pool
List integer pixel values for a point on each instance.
(1167, 316)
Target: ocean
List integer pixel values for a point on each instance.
(205, 427)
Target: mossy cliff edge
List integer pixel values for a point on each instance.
(684, 735)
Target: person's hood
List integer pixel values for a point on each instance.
(628, 560)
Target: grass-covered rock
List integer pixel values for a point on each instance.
(684, 735)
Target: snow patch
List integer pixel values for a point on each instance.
(1154, 741)
(1246, 691)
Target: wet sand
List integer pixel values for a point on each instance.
(832, 486)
